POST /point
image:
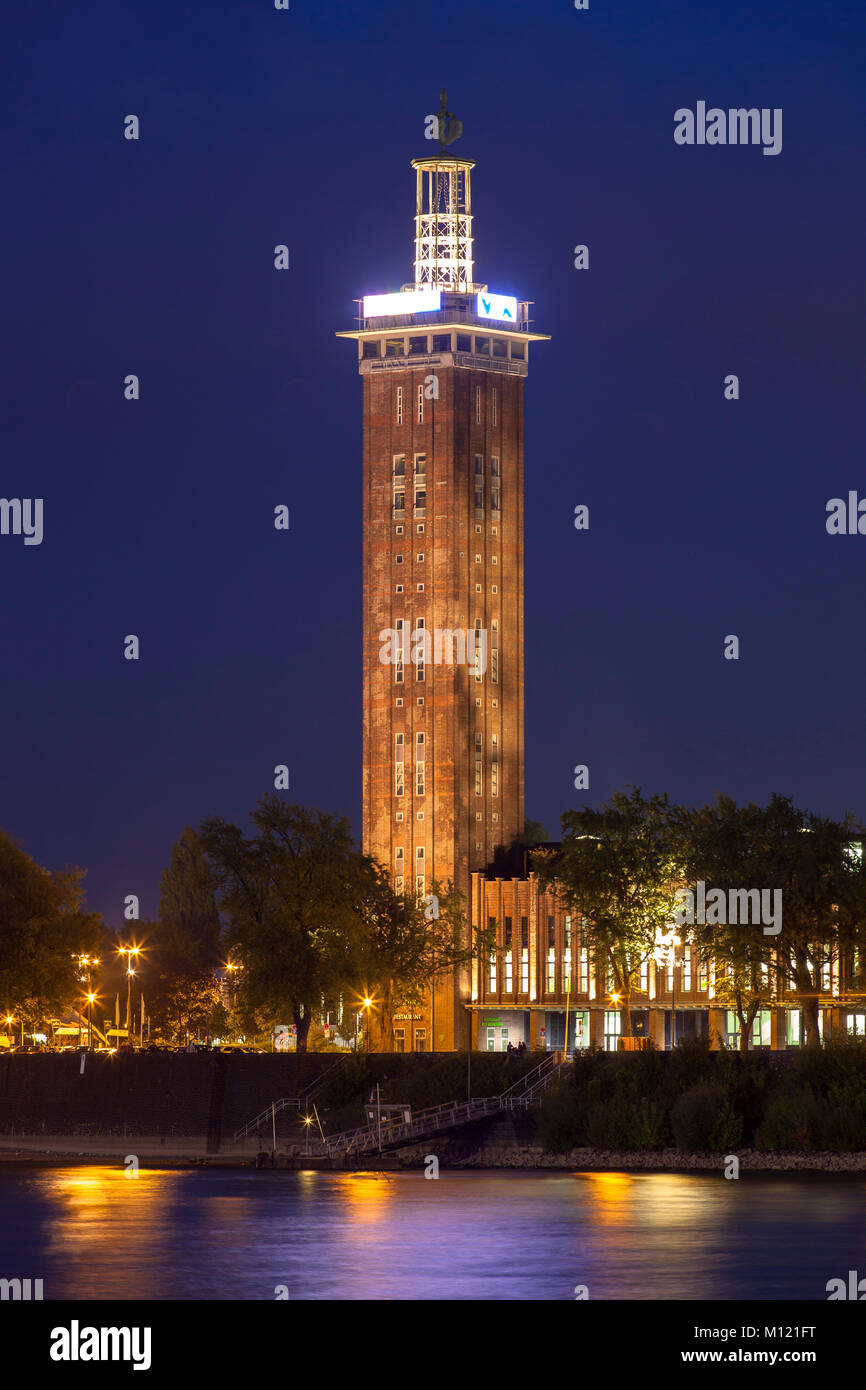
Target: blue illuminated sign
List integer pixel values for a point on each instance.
(496, 306)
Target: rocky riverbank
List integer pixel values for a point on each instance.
(530, 1156)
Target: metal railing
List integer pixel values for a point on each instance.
(303, 1098)
(395, 1134)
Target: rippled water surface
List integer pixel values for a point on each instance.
(90, 1232)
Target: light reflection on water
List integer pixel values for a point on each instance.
(91, 1232)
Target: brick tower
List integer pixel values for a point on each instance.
(442, 364)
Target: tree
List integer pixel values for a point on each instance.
(534, 833)
(180, 999)
(43, 925)
(724, 847)
(187, 904)
(405, 944)
(618, 868)
(803, 856)
(288, 895)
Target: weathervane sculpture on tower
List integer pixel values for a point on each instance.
(448, 127)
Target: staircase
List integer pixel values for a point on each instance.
(298, 1102)
(391, 1134)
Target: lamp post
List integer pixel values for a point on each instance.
(129, 952)
(90, 999)
(665, 954)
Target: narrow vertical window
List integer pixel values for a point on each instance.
(478, 405)
(420, 405)
(479, 762)
(493, 405)
(479, 482)
(419, 871)
(401, 650)
(398, 870)
(478, 672)
(419, 764)
(398, 480)
(703, 971)
(494, 766)
(399, 405)
(494, 651)
(495, 485)
(420, 637)
(420, 480)
(399, 765)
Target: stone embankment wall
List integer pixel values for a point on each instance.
(168, 1094)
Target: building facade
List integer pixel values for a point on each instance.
(542, 986)
(443, 364)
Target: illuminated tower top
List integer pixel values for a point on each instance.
(443, 223)
(443, 211)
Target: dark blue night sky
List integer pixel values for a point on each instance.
(261, 127)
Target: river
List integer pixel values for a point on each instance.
(90, 1232)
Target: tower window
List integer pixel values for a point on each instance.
(398, 559)
(478, 405)
(419, 777)
(493, 405)
(398, 480)
(398, 768)
(399, 405)
(420, 405)
(420, 650)
(420, 480)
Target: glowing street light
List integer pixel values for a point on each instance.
(665, 955)
(129, 952)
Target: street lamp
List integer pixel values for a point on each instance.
(129, 952)
(665, 954)
(90, 999)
